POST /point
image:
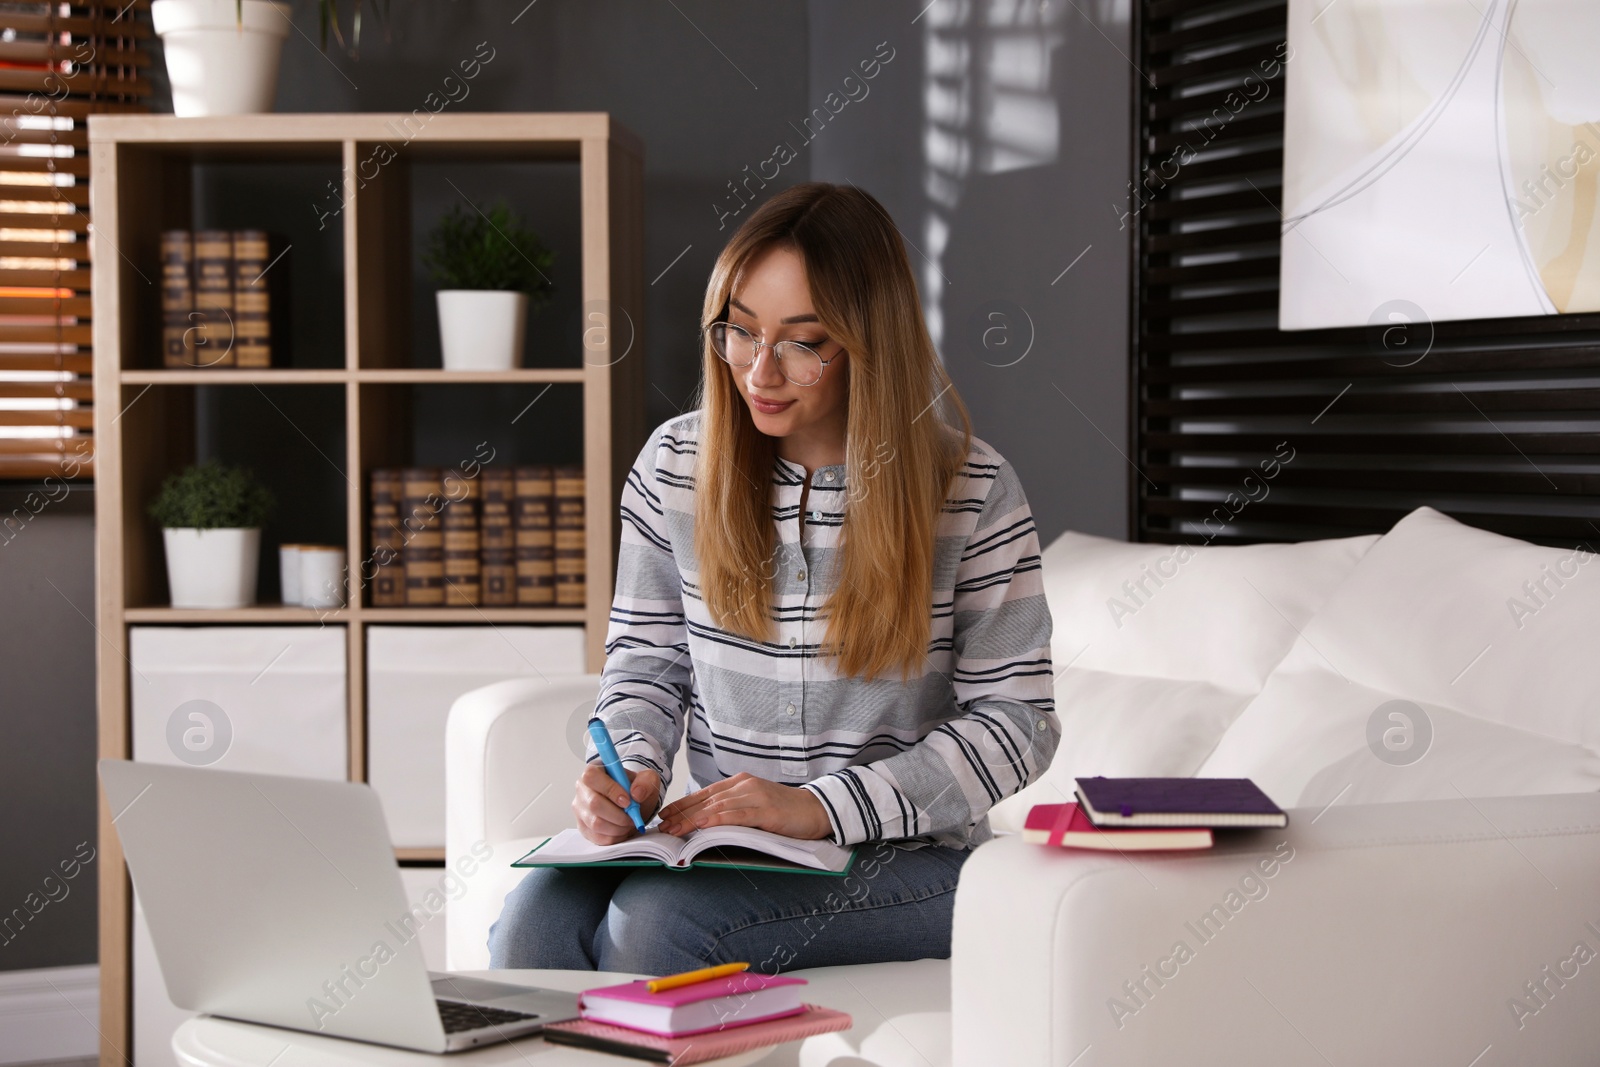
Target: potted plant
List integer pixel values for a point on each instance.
(210, 518)
(492, 272)
(222, 55)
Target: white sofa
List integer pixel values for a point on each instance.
(1426, 703)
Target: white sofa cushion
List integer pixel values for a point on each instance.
(1312, 737)
(1224, 615)
(1437, 614)
(1157, 648)
(1124, 724)
(1466, 757)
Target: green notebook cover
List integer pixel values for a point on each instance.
(737, 859)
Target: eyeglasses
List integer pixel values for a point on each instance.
(798, 363)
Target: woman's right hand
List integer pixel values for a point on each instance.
(602, 807)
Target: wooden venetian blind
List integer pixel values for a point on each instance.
(1243, 432)
(59, 64)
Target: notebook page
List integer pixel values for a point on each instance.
(570, 846)
(821, 855)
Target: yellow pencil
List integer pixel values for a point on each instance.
(704, 974)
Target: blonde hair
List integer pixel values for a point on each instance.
(901, 450)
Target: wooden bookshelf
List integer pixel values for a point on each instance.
(141, 169)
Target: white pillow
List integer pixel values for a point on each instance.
(1466, 757)
(1437, 614)
(1224, 615)
(1120, 724)
(1313, 737)
(1447, 614)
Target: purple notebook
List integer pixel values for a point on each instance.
(1218, 802)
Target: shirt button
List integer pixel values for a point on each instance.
(789, 709)
(792, 642)
(827, 476)
(1039, 725)
(816, 516)
(800, 576)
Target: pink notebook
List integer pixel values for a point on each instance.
(678, 1051)
(718, 1004)
(1067, 826)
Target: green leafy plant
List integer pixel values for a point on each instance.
(328, 15)
(210, 496)
(473, 249)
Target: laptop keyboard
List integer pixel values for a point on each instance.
(457, 1016)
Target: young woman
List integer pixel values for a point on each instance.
(831, 589)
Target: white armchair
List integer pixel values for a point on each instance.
(1404, 933)
(1440, 905)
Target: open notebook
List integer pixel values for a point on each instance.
(740, 847)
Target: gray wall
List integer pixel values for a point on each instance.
(47, 748)
(998, 144)
(998, 139)
(703, 82)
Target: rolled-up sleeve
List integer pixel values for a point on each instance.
(644, 686)
(1006, 732)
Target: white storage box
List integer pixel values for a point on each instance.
(269, 699)
(414, 674)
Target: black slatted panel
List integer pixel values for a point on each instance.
(1495, 422)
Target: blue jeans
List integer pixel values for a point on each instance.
(895, 904)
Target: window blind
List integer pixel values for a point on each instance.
(59, 64)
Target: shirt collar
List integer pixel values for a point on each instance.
(831, 476)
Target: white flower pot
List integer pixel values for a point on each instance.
(212, 568)
(218, 64)
(481, 329)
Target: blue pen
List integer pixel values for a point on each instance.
(608, 756)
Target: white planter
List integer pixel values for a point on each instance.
(218, 64)
(212, 568)
(481, 329)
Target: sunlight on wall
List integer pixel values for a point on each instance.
(988, 103)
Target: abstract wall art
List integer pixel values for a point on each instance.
(1441, 161)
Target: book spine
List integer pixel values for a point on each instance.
(252, 329)
(422, 498)
(388, 540)
(463, 569)
(213, 298)
(532, 516)
(571, 588)
(498, 539)
(177, 298)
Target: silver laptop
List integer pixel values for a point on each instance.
(277, 900)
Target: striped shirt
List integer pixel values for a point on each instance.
(919, 761)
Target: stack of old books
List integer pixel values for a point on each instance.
(215, 301)
(504, 538)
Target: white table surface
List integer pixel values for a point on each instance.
(205, 1041)
(901, 1015)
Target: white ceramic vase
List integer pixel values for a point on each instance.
(482, 329)
(218, 64)
(212, 568)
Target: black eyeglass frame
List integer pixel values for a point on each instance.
(705, 336)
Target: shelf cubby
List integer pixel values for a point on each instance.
(403, 190)
(195, 185)
(292, 436)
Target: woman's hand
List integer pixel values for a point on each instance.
(602, 807)
(745, 800)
